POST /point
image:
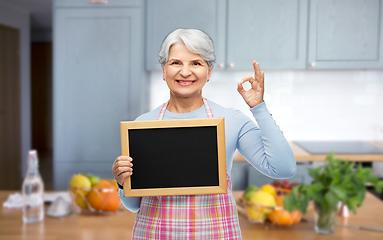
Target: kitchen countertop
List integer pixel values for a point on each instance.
(119, 225)
(301, 155)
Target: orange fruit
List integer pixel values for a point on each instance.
(113, 182)
(104, 181)
(107, 200)
(279, 200)
(283, 217)
(296, 217)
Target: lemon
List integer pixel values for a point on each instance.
(80, 181)
(264, 199)
(80, 201)
(255, 214)
(269, 189)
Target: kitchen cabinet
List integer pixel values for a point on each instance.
(97, 3)
(99, 80)
(272, 32)
(292, 35)
(345, 34)
(166, 16)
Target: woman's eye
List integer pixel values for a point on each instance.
(175, 63)
(196, 64)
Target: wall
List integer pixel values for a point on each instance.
(18, 18)
(307, 105)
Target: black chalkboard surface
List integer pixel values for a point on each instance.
(175, 157)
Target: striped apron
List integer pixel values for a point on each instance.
(210, 216)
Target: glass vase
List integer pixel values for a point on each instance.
(324, 220)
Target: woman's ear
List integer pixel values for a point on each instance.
(209, 71)
(163, 72)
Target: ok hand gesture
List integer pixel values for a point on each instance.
(253, 96)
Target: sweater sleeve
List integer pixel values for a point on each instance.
(130, 203)
(265, 148)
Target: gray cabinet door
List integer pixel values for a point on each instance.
(97, 3)
(167, 15)
(272, 32)
(97, 77)
(345, 34)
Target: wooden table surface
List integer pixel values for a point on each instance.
(301, 155)
(119, 225)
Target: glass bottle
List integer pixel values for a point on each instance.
(33, 191)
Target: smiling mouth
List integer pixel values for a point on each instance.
(185, 82)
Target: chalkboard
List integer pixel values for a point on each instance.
(175, 157)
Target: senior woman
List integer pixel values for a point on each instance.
(187, 57)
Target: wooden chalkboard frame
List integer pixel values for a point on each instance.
(181, 123)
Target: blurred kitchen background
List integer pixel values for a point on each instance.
(71, 70)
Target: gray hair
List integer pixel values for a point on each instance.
(195, 41)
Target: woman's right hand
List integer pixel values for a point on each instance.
(122, 168)
(254, 96)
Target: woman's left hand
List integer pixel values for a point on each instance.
(253, 96)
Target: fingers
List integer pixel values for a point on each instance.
(122, 161)
(262, 80)
(122, 168)
(258, 75)
(257, 70)
(240, 88)
(123, 158)
(120, 179)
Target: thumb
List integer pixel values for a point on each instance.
(240, 88)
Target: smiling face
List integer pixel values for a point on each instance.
(185, 72)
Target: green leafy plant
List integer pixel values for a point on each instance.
(335, 181)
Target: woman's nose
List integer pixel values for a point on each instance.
(185, 71)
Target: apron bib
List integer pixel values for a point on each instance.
(209, 216)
